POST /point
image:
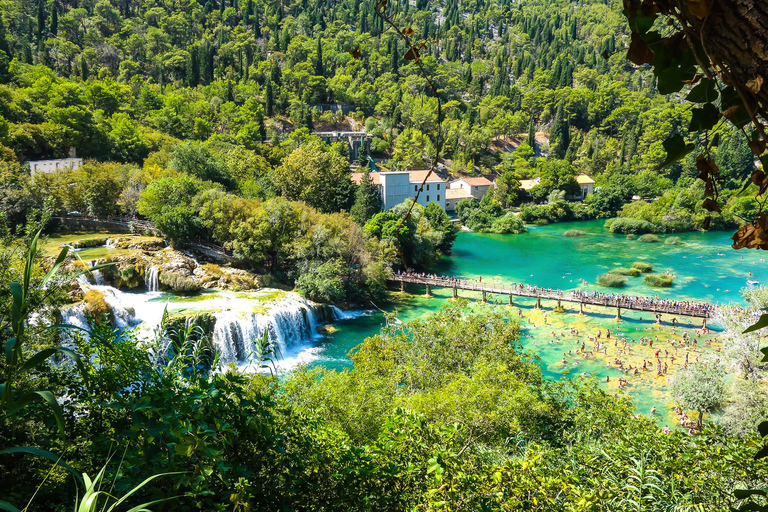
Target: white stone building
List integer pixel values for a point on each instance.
(396, 187)
(476, 187)
(49, 166)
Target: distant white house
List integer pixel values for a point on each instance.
(453, 196)
(49, 166)
(476, 187)
(587, 186)
(396, 187)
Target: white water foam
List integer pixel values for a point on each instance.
(240, 319)
(151, 279)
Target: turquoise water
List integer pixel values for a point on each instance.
(705, 267)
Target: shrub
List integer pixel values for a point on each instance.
(96, 306)
(509, 223)
(627, 225)
(633, 272)
(631, 237)
(658, 280)
(574, 232)
(540, 222)
(642, 266)
(611, 280)
(178, 283)
(89, 242)
(673, 240)
(650, 238)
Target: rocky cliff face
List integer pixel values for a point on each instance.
(150, 264)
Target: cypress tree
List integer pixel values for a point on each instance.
(248, 12)
(193, 68)
(319, 70)
(4, 39)
(275, 74)
(230, 91)
(222, 6)
(83, 69)
(54, 21)
(308, 118)
(394, 57)
(560, 132)
(40, 20)
(367, 199)
(262, 127)
(270, 99)
(531, 135)
(256, 22)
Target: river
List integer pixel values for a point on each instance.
(705, 267)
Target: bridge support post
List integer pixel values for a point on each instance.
(538, 302)
(402, 286)
(429, 291)
(581, 308)
(618, 313)
(510, 299)
(704, 324)
(558, 304)
(455, 293)
(484, 299)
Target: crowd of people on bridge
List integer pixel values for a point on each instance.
(612, 299)
(631, 301)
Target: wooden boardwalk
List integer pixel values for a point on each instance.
(644, 304)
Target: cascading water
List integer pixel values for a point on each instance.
(238, 319)
(289, 324)
(151, 279)
(98, 277)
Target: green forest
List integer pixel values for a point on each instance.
(199, 117)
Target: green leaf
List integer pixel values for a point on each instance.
(746, 493)
(41, 356)
(4, 505)
(761, 322)
(31, 255)
(142, 484)
(9, 346)
(704, 118)
(30, 397)
(43, 453)
(672, 80)
(55, 268)
(17, 307)
(676, 149)
(704, 92)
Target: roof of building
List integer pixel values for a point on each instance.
(418, 176)
(357, 177)
(413, 177)
(477, 182)
(456, 193)
(583, 179)
(529, 184)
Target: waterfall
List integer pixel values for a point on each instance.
(289, 324)
(111, 243)
(151, 279)
(98, 277)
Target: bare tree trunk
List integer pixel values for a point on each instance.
(734, 34)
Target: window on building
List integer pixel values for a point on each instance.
(415, 188)
(427, 198)
(475, 188)
(427, 186)
(438, 188)
(438, 198)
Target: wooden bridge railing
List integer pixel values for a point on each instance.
(645, 304)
